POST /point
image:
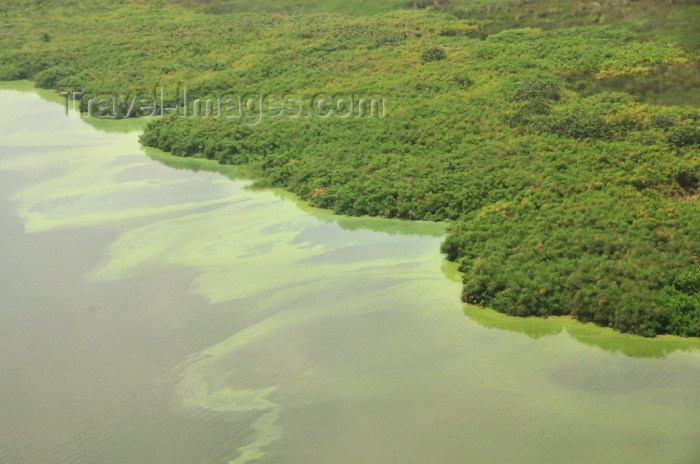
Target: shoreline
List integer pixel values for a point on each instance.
(489, 317)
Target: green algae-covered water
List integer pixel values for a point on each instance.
(155, 310)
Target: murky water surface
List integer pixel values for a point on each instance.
(153, 310)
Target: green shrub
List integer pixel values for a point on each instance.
(683, 136)
(538, 90)
(433, 54)
(578, 125)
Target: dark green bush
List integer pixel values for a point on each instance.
(578, 126)
(433, 54)
(683, 136)
(533, 90)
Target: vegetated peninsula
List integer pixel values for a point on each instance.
(560, 139)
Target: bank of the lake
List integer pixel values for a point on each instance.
(163, 312)
(561, 139)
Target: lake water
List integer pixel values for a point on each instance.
(155, 310)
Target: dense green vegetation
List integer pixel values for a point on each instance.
(560, 138)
